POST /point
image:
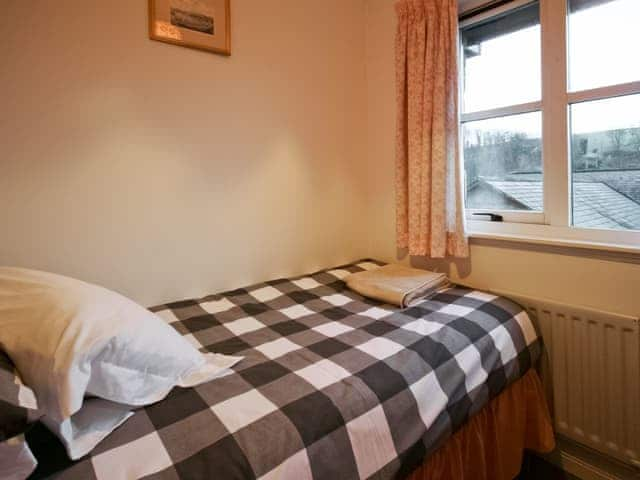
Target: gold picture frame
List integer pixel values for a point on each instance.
(200, 24)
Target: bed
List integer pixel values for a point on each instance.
(332, 385)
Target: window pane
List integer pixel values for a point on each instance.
(503, 163)
(502, 60)
(603, 40)
(605, 157)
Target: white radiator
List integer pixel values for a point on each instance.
(592, 373)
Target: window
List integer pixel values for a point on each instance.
(550, 113)
(605, 160)
(502, 60)
(501, 105)
(603, 35)
(605, 128)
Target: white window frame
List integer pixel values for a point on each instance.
(554, 224)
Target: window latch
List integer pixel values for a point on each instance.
(492, 217)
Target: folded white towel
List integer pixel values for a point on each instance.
(396, 284)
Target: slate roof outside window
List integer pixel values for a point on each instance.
(626, 182)
(596, 204)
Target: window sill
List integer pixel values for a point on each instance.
(623, 243)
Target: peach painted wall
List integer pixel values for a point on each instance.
(165, 172)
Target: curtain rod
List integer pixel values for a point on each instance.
(482, 8)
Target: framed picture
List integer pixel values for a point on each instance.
(201, 24)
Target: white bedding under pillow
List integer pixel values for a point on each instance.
(69, 339)
(85, 429)
(16, 460)
(94, 422)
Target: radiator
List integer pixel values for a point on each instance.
(591, 369)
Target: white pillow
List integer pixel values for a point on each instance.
(69, 339)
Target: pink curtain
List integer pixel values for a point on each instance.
(428, 177)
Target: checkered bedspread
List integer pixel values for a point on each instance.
(332, 386)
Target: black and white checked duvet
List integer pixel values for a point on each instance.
(332, 386)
